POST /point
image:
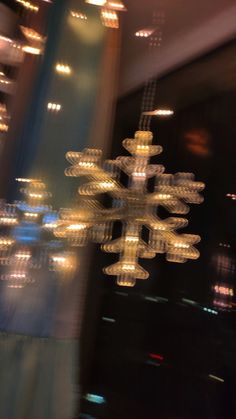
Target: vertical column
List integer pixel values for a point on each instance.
(63, 105)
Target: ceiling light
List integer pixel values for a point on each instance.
(96, 2)
(78, 15)
(144, 33)
(116, 5)
(27, 5)
(32, 50)
(63, 69)
(159, 112)
(54, 107)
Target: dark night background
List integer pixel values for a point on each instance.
(147, 350)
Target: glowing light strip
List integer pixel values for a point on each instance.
(63, 69)
(108, 319)
(25, 180)
(78, 15)
(30, 6)
(214, 377)
(31, 50)
(94, 398)
(54, 106)
(159, 112)
(144, 33)
(116, 5)
(96, 2)
(4, 38)
(2, 81)
(31, 33)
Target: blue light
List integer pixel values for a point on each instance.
(50, 217)
(94, 398)
(27, 208)
(209, 310)
(55, 244)
(26, 232)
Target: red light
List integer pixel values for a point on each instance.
(156, 356)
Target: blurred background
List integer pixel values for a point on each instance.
(74, 74)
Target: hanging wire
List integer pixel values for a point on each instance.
(150, 85)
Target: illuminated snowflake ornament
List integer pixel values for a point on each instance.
(133, 205)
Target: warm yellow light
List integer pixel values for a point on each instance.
(164, 196)
(58, 259)
(124, 281)
(18, 276)
(96, 2)
(63, 69)
(55, 107)
(110, 18)
(2, 81)
(23, 256)
(136, 207)
(50, 225)
(36, 195)
(181, 245)
(4, 38)
(8, 220)
(159, 112)
(18, 46)
(224, 290)
(140, 150)
(139, 174)
(144, 33)
(27, 5)
(116, 5)
(6, 242)
(86, 164)
(63, 264)
(128, 267)
(131, 239)
(31, 34)
(143, 147)
(2, 108)
(25, 180)
(106, 184)
(78, 15)
(31, 50)
(76, 227)
(3, 127)
(31, 215)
